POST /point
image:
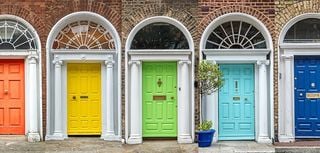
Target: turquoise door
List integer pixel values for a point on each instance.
(236, 102)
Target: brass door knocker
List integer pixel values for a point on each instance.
(159, 82)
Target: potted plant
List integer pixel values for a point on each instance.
(210, 78)
(205, 134)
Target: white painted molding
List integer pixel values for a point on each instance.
(158, 55)
(113, 56)
(33, 101)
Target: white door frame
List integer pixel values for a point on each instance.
(287, 51)
(185, 59)
(57, 85)
(263, 75)
(33, 81)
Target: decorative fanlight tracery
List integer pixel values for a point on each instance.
(84, 35)
(236, 35)
(14, 35)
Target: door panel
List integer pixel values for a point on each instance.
(12, 111)
(307, 114)
(236, 102)
(84, 99)
(159, 99)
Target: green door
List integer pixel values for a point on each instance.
(159, 106)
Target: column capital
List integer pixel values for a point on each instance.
(109, 62)
(263, 62)
(134, 62)
(184, 62)
(33, 57)
(287, 57)
(57, 62)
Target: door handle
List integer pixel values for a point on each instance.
(172, 98)
(6, 91)
(74, 97)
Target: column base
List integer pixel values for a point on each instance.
(264, 139)
(111, 137)
(283, 138)
(134, 140)
(33, 137)
(55, 136)
(184, 139)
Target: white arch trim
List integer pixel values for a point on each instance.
(104, 57)
(181, 55)
(33, 99)
(236, 17)
(154, 19)
(255, 56)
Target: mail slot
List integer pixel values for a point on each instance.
(84, 97)
(236, 98)
(313, 95)
(160, 97)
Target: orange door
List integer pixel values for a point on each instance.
(12, 97)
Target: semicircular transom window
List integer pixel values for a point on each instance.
(236, 35)
(14, 35)
(84, 35)
(304, 31)
(159, 35)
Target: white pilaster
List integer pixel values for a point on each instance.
(287, 117)
(135, 136)
(184, 131)
(57, 132)
(108, 131)
(33, 133)
(263, 136)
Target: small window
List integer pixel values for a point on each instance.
(236, 35)
(14, 35)
(84, 35)
(159, 35)
(304, 31)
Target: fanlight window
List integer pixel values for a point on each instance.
(236, 35)
(14, 35)
(159, 35)
(304, 31)
(84, 35)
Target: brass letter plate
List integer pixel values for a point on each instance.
(162, 97)
(236, 98)
(312, 95)
(84, 97)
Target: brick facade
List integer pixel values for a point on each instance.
(195, 15)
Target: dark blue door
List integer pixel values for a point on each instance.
(307, 100)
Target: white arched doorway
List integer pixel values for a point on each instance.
(159, 79)
(20, 61)
(299, 62)
(243, 108)
(84, 81)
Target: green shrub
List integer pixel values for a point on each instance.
(205, 125)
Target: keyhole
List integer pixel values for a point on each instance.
(74, 97)
(159, 82)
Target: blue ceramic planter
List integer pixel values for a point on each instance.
(205, 138)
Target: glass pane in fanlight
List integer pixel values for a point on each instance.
(304, 31)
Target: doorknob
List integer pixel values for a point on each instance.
(172, 98)
(5, 91)
(74, 97)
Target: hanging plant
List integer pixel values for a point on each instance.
(210, 77)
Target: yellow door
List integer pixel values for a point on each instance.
(84, 99)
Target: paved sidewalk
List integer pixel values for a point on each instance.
(13, 144)
(238, 147)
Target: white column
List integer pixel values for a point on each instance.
(108, 133)
(184, 116)
(288, 101)
(263, 136)
(57, 133)
(135, 106)
(33, 133)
